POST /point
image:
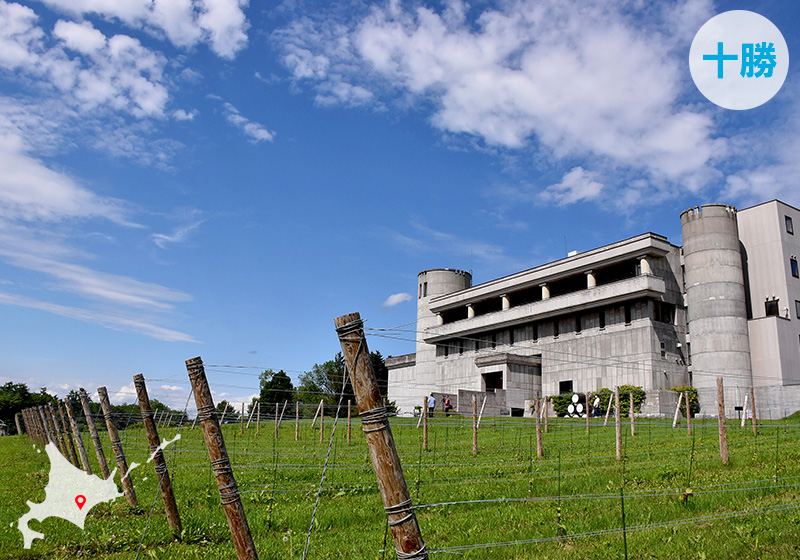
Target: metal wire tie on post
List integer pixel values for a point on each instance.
(400, 509)
(205, 412)
(374, 416)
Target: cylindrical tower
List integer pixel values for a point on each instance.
(432, 283)
(715, 297)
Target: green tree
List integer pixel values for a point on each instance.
(15, 397)
(275, 387)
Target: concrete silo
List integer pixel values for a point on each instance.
(715, 297)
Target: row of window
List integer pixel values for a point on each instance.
(663, 312)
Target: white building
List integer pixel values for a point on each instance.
(640, 311)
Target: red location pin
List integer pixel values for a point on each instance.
(80, 500)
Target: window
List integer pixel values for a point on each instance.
(578, 325)
(425, 289)
(461, 346)
(565, 387)
(771, 307)
(628, 313)
(511, 334)
(535, 332)
(793, 264)
(789, 226)
(555, 329)
(663, 350)
(494, 340)
(602, 318)
(797, 308)
(664, 312)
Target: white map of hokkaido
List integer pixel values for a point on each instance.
(66, 483)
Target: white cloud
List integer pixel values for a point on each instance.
(180, 234)
(396, 299)
(185, 23)
(172, 388)
(254, 131)
(145, 326)
(576, 186)
(181, 115)
(590, 79)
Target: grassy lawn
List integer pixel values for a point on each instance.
(575, 491)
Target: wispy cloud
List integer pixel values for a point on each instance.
(396, 299)
(180, 234)
(110, 320)
(254, 131)
(577, 185)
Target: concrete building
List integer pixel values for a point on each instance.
(640, 311)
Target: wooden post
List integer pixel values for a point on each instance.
(424, 419)
(316, 414)
(586, 408)
(480, 414)
(98, 446)
(76, 433)
(258, 417)
(116, 445)
(608, 411)
(220, 463)
(539, 447)
(159, 463)
(618, 423)
(241, 421)
(57, 433)
(744, 409)
(297, 421)
(753, 407)
(283, 409)
(277, 422)
(723, 432)
(46, 425)
(19, 426)
(632, 415)
(474, 425)
(194, 421)
(348, 420)
(63, 420)
(224, 412)
(688, 413)
(321, 421)
(677, 410)
(252, 413)
(385, 461)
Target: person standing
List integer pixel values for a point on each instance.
(431, 404)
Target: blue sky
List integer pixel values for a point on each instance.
(222, 178)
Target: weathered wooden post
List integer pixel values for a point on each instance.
(385, 461)
(76, 432)
(250, 418)
(258, 418)
(283, 410)
(608, 411)
(474, 425)
(425, 424)
(586, 408)
(220, 463)
(276, 421)
(539, 447)
(159, 463)
(348, 420)
(241, 421)
(321, 421)
(46, 424)
(116, 445)
(723, 432)
(57, 433)
(688, 413)
(297, 421)
(632, 415)
(98, 446)
(677, 410)
(618, 423)
(753, 406)
(64, 421)
(19, 426)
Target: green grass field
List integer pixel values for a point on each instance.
(504, 494)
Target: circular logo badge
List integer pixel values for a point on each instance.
(739, 60)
